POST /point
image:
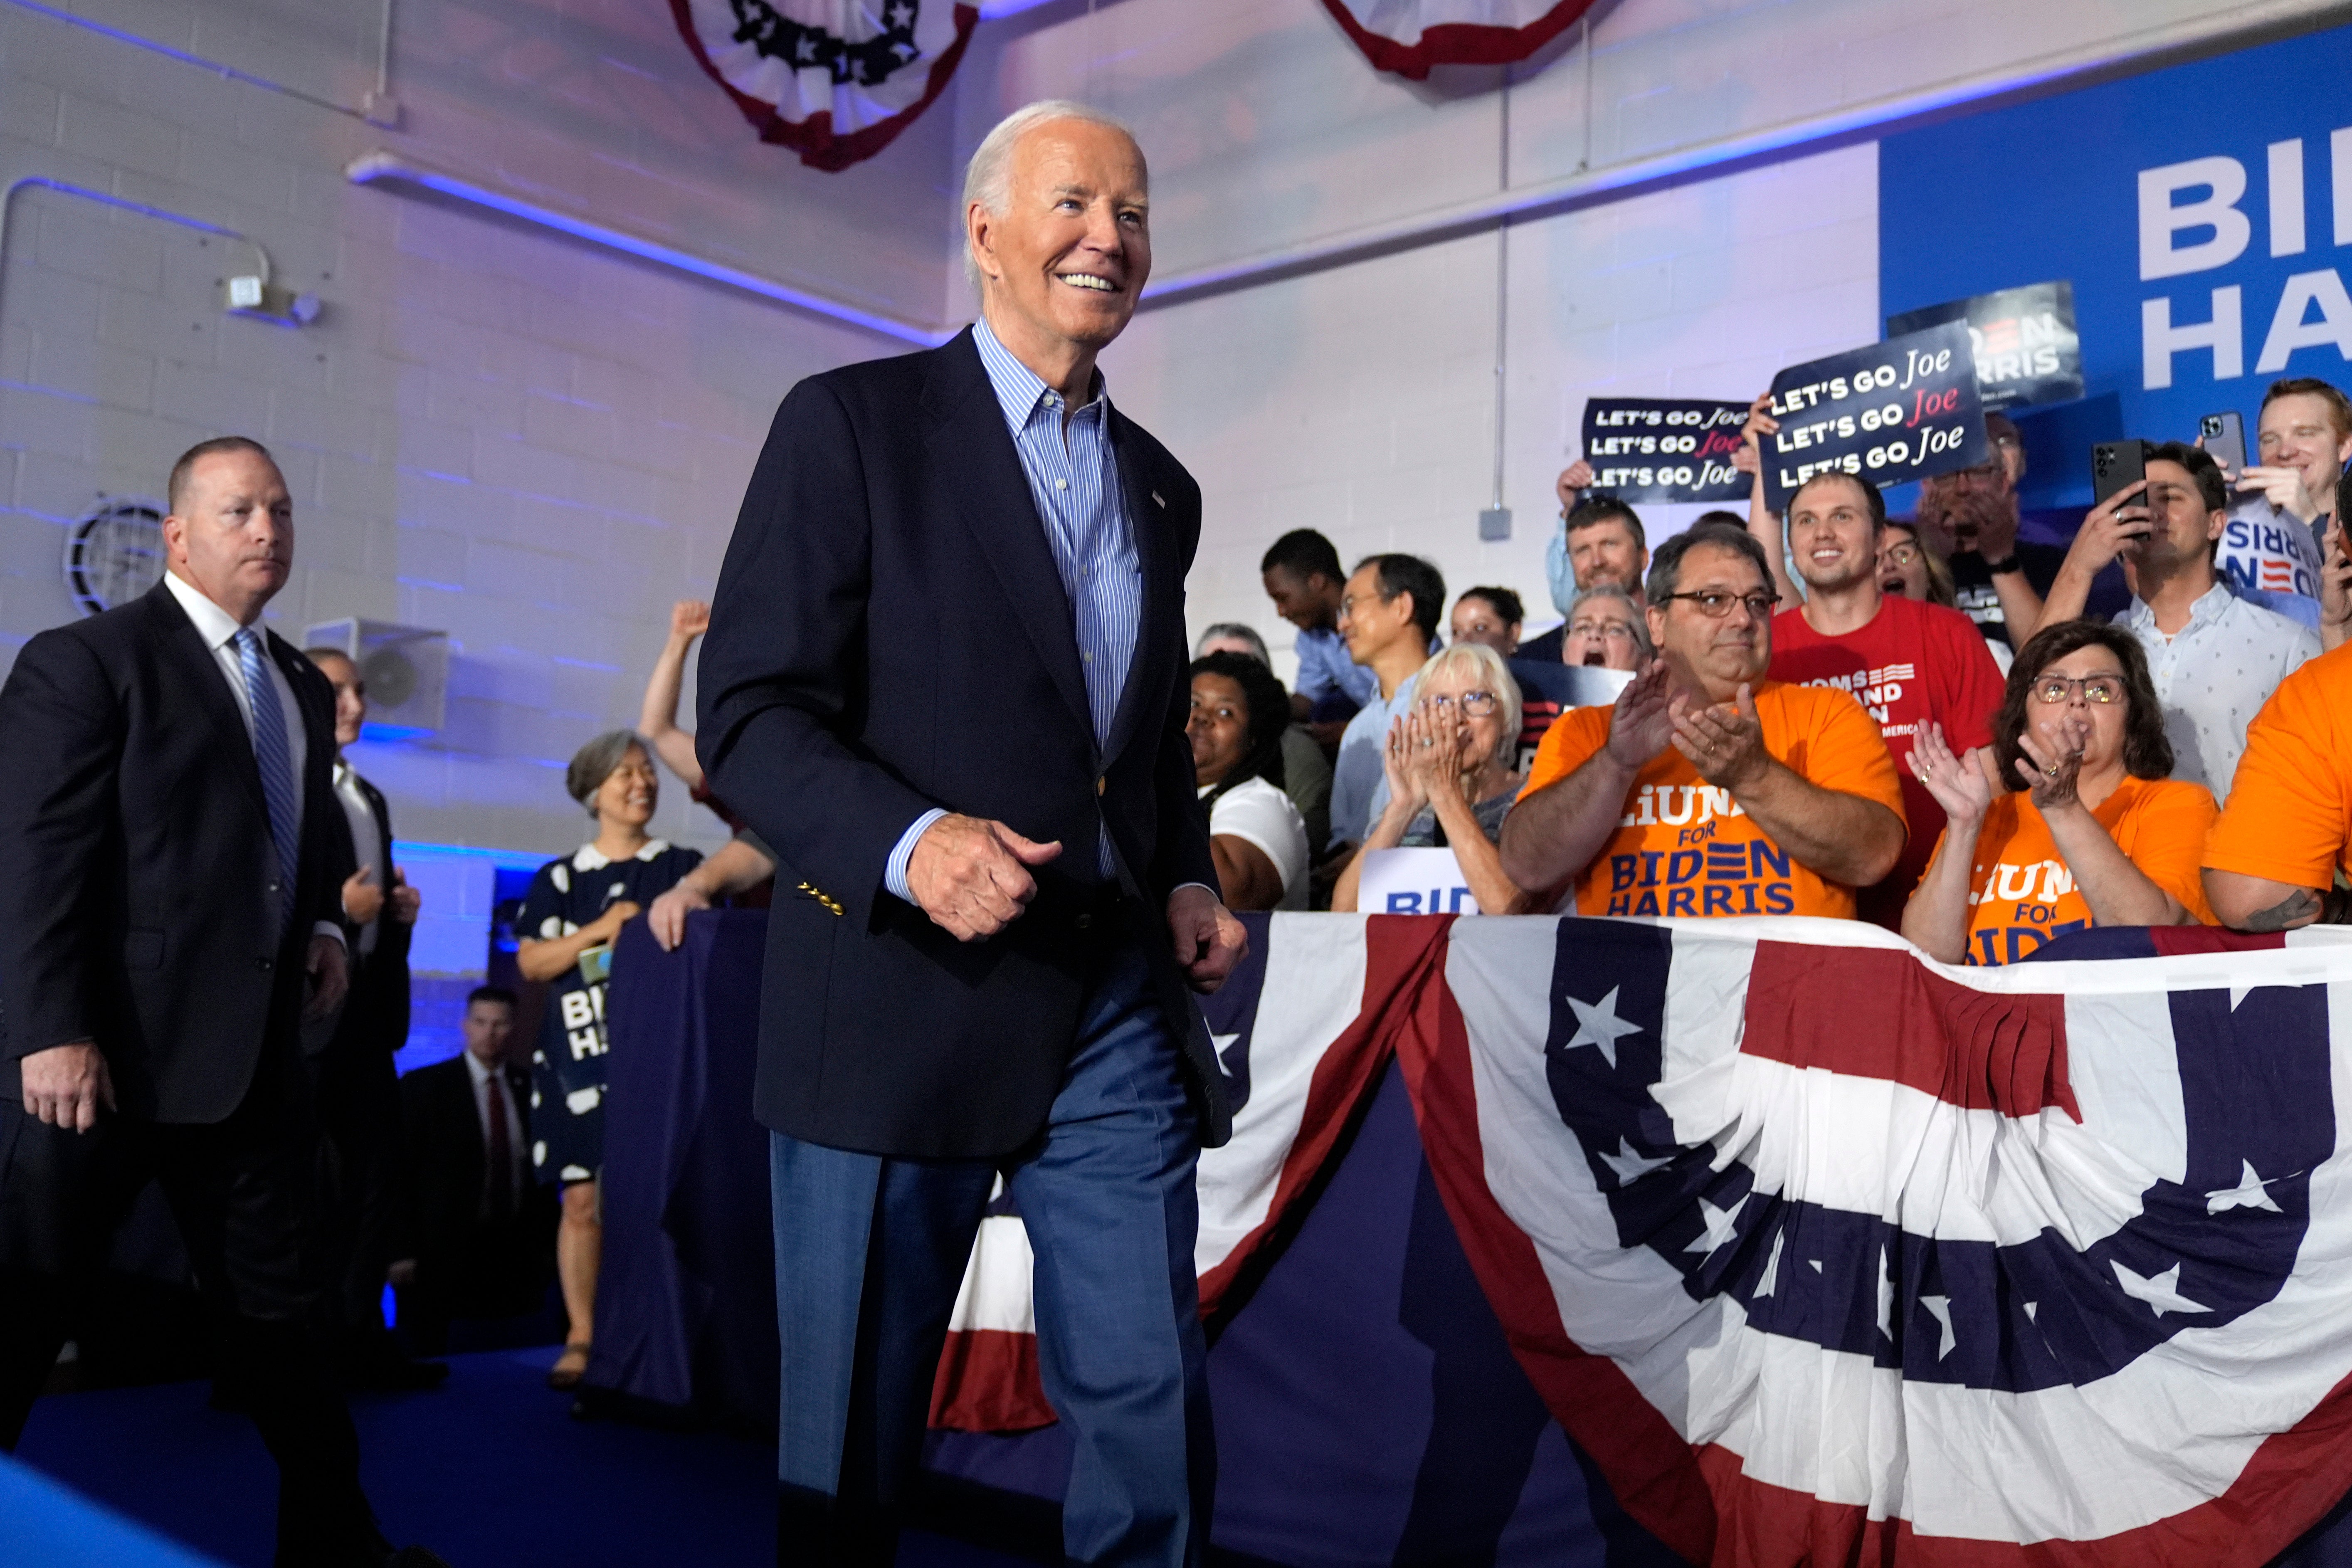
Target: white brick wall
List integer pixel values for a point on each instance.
(530, 445)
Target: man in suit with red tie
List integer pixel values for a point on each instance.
(171, 864)
(946, 680)
(481, 1232)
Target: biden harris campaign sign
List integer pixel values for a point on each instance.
(2203, 213)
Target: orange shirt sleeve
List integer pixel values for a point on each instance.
(1845, 752)
(2288, 815)
(2169, 831)
(1567, 746)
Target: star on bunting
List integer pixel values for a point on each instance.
(1630, 1166)
(1940, 1309)
(2249, 1193)
(1772, 1279)
(2160, 1292)
(1600, 1027)
(1719, 1224)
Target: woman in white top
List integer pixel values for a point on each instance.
(1255, 834)
(1450, 778)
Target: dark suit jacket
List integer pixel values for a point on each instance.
(890, 634)
(139, 903)
(443, 1230)
(375, 1018)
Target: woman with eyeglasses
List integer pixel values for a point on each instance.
(1908, 567)
(2090, 831)
(1448, 766)
(1605, 631)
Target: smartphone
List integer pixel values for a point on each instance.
(2114, 466)
(2223, 437)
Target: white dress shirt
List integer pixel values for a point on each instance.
(517, 1150)
(2214, 674)
(218, 629)
(366, 843)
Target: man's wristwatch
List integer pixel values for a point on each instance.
(2006, 563)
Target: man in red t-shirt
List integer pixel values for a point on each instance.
(1907, 662)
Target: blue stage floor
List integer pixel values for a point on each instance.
(489, 1470)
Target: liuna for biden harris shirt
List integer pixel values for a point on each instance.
(1685, 848)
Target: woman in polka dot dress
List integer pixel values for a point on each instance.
(576, 904)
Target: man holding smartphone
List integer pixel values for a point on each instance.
(2215, 656)
(2278, 546)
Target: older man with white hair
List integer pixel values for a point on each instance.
(1001, 886)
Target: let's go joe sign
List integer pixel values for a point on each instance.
(1891, 413)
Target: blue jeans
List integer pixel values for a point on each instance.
(871, 1252)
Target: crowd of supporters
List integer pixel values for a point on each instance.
(1981, 740)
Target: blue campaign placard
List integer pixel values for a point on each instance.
(2202, 212)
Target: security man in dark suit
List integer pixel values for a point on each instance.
(358, 1087)
(170, 864)
(481, 1230)
(945, 680)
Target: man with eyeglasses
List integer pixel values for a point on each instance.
(2282, 547)
(2214, 656)
(1389, 614)
(1709, 790)
(1907, 662)
(1972, 516)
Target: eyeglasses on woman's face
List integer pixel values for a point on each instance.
(1600, 628)
(2100, 688)
(1904, 554)
(1472, 704)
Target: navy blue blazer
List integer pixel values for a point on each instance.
(139, 905)
(889, 634)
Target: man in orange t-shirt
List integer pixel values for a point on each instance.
(2271, 863)
(1707, 790)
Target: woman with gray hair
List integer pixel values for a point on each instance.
(1607, 629)
(576, 908)
(1450, 777)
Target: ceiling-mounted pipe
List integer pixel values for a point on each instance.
(393, 172)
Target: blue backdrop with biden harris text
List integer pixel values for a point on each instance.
(2202, 211)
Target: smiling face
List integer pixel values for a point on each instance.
(1308, 603)
(232, 533)
(630, 792)
(1218, 727)
(1065, 260)
(2298, 431)
(1603, 555)
(1371, 623)
(1832, 534)
(1475, 619)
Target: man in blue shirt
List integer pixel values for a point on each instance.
(1302, 576)
(1389, 616)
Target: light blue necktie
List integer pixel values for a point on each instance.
(276, 759)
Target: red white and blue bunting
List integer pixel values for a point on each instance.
(1408, 36)
(832, 79)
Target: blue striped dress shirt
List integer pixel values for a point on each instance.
(1073, 477)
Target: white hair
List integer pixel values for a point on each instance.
(988, 178)
(1490, 669)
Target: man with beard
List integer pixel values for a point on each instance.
(1910, 663)
(2215, 657)
(1600, 544)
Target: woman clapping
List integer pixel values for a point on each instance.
(2090, 829)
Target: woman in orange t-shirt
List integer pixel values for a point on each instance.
(2101, 834)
